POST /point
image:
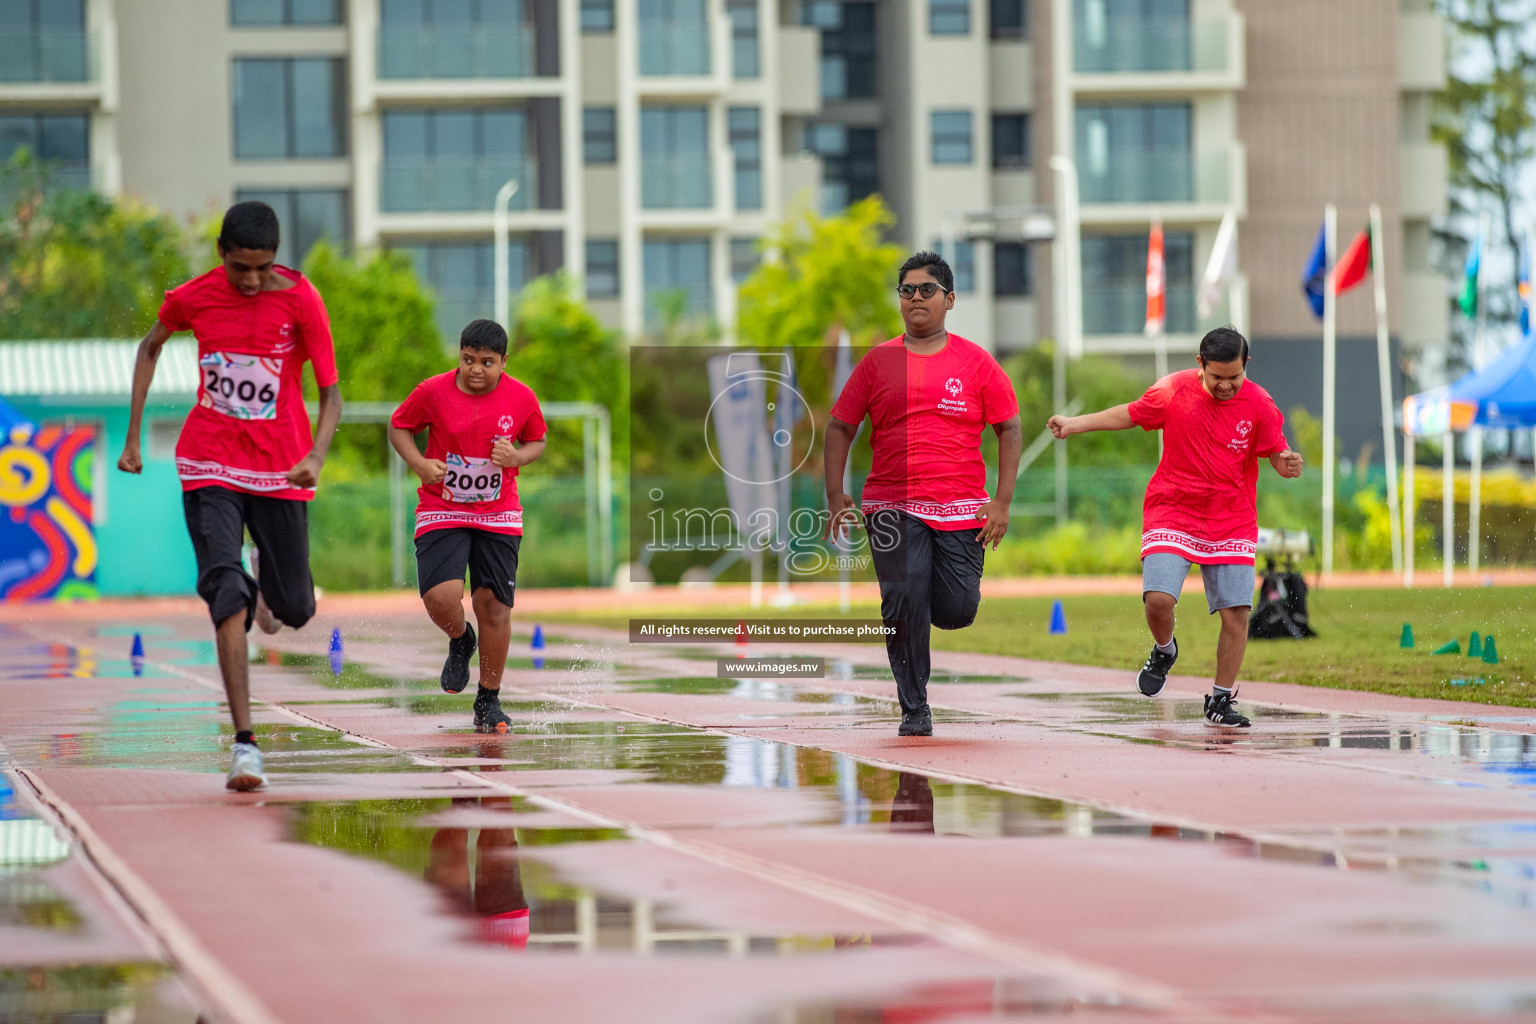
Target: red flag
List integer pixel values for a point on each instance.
(1157, 282)
(1354, 264)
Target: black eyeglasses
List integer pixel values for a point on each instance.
(926, 290)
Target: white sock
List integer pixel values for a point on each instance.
(1220, 691)
(1167, 648)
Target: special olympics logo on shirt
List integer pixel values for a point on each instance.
(954, 387)
(504, 424)
(1240, 442)
(1243, 427)
(284, 343)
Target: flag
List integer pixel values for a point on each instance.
(1354, 264)
(1525, 290)
(1468, 301)
(1222, 268)
(1316, 269)
(1157, 282)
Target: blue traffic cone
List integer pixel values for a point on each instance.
(335, 652)
(537, 645)
(1407, 640)
(1058, 620)
(1475, 646)
(136, 655)
(1490, 651)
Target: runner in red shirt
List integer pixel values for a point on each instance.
(246, 457)
(1202, 504)
(469, 515)
(929, 395)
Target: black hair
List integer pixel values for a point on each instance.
(486, 335)
(1223, 345)
(934, 264)
(249, 225)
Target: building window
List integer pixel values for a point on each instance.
(60, 142)
(744, 55)
(951, 136)
(962, 261)
(1135, 152)
(677, 279)
(596, 16)
(461, 276)
(43, 41)
(602, 268)
(1132, 35)
(848, 42)
(675, 158)
(290, 108)
(949, 17)
(674, 37)
(1115, 282)
(1010, 141)
(747, 149)
(849, 160)
(456, 158)
(285, 12)
(745, 257)
(1010, 19)
(599, 135)
(456, 39)
(306, 216)
(1013, 271)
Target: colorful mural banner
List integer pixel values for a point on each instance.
(47, 538)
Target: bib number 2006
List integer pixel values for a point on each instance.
(470, 480)
(244, 387)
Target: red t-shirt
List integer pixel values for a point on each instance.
(460, 431)
(1203, 501)
(927, 414)
(249, 426)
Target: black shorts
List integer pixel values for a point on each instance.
(491, 558)
(217, 519)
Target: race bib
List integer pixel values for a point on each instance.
(244, 387)
(470, 480)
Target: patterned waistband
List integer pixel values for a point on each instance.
(934, 511)
(258, 481)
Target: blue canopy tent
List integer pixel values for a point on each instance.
(1500, 395)
(13, 425)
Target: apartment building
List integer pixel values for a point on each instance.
(653, 141)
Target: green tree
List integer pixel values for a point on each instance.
(823, 273)
(385, 335)
(1486, 119)
(566, 354)
(76, 264)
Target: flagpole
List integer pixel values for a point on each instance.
(1448, 512)
(1409, 507)
(1475, 433)
(1384, 371)
(1330, 314)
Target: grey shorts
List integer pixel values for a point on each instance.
(1226, 586)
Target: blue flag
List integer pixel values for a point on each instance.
(1525, 290)
(1316, 272)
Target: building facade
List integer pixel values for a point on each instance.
(654, 141)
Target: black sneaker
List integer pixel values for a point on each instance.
(916, 723)
(490, 718)
(456, 669)
(1218, 711)
(1154, 674)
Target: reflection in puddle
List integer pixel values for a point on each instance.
(94, 994)
(969, 1000)
(493, 876)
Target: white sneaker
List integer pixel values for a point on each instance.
(265, 621)
(245, 769)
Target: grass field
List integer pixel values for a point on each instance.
(1356, 649)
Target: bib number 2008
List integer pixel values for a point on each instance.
(240, 386)
(469, 480)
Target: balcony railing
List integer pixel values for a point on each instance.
(55, 178)
(1122, 309)
(674, 48)
(446, 186)
(48, 55)
(1155, 176)
(675, 182)
(1149, 45)
(489, 51)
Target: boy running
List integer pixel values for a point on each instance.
(1202, 505)
(929, 395)
(245, 456)
(469, 515)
